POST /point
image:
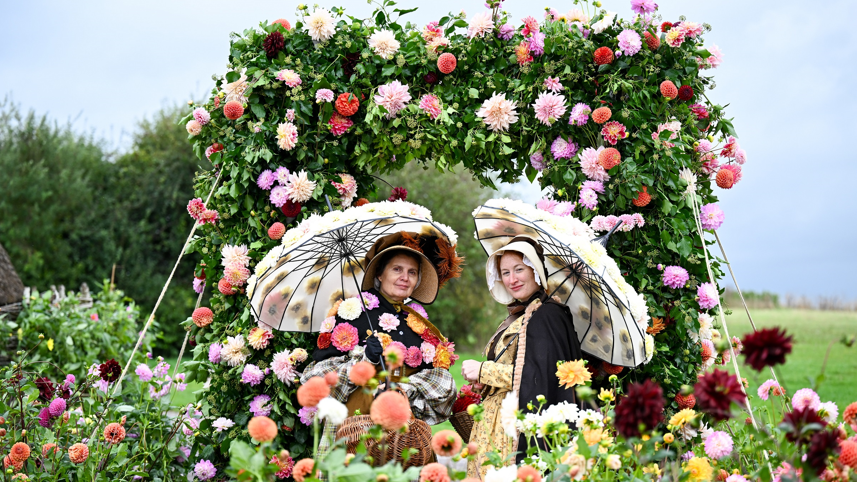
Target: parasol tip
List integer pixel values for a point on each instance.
(605, 237)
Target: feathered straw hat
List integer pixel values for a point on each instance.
(533, 255)
(438, 262)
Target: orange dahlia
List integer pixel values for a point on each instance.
(262, 429)
(668, 89)
(725, 179)
(361, 373)
(573, 373)
(601, 115)
(311, 392)
(78, 453)
(20, 452)
(233, 110)
(446, 443)
(643, 198)
(603, 56)
(390, 410)
(446, 63)
(114, 433)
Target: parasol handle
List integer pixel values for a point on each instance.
(366, 313)
(603, 238)
(329, 206)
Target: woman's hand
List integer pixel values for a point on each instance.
(470, 370)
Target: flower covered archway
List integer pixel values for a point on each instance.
(610, 114)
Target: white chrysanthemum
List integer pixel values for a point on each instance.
(508, 416)
(283, 367)
(320, 25)
(590, 418)
(350, 309)
(384, 43)
(694, 336)
(480, 24)
(650, 347)
(604, 23)
(829, 411)
(505, 474)
(251, 286)
(222, 424)
(498, 113)
(639, 309)
(287, 136)
(332, 410)
(291, 237)
(299, 187)
(234, 352)
(689, 177)
(235, 90)
(563, 412)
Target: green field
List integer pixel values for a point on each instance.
(813, 333)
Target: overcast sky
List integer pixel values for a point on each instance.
(788, 76)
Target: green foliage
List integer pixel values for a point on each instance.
(75, 337)
(70, 211)
(378, 142)
(150, 443)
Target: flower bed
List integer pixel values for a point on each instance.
(611, 114)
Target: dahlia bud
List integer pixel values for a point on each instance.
(613, 379)
(190, 102)
(23, 432)
(41, 336)
(2, 432)
(585, 393)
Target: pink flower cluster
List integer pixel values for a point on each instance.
(675, 276)
(563, 208)
(613, 132)
(235, 261)
(708, 296)
(430, 104)
(347, 189)
(393, 97)
(197, 210)
(549, 107)
(711, 216)
(673, 127)
(290, 77)
(590, 166)
(677, 35)
(628, 222)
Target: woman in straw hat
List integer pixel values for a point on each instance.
(524, 351)
(400, 267)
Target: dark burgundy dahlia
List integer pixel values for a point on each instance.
(800, 424)
(110, 370)
(766, 347)
(273, 44)
(685, 92)
(641, 407)
(46, 388)
(822, 446)
(716, 391)
(399, 194)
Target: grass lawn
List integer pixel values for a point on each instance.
(813, 333)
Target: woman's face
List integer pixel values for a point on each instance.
(517, 277)
(400, 277)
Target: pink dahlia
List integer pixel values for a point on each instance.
(323, 95)
(393, 97)
(596, 186)
(414, 357)
(562, 149)
(675, 37)
(480, 24)
(283, 367)
(718, 444)
(344, 337)
(214, 352)
(711, 216)
(675, 276)
(537, 160)
(252, 375)
(201, 115)
(430, 104)
(287, 136)
(339, 124)
(552, 84)
(700, 111)
(638, 220)
(209, 216)
(506, 31)
(259, 406)
(546, 204)
(282, 175)
(531, 26)
(290, 115)
(716, 57)
(418, 308)
(579, 114)
(588, 198)
(195, 207)
(629, 42)
(708, 296)
(643, 6)
(498, 113)
(549, 107)
(279, 195)
(290, 77)
(564, 208)
(537, 44)
(590, 166)
(806, 398)
(266, 180)
(522, 52)
(388, 321)
(431, 31)
(730, 148)
(628, 222)
(613, 131)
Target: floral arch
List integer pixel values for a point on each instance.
(611, 114)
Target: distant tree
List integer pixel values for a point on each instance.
(464, 310)
(69, 210)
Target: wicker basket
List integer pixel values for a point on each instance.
(418, 437)
(462, 422)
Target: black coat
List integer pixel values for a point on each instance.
(403, 333)
(550, 338)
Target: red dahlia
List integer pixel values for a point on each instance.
(715, 391)
(285, 23)
(323, 340)
(446, 63)
(643, 405)
(291, 209)
(652, 41)
(46, 388)
(349, 62)
(766, 347)
(822, 445)
(643, 198)
(233, 110)
(603, 56)
(796, 422)
(110, 370)
(685, 401)
(399, 194)
(347, 104)
(273, 44)
(361, 202)
(668, 89)
(666, 26)
(224, 287)
(430, 78)
(276, 231)
(611, 369)
(685, 92)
